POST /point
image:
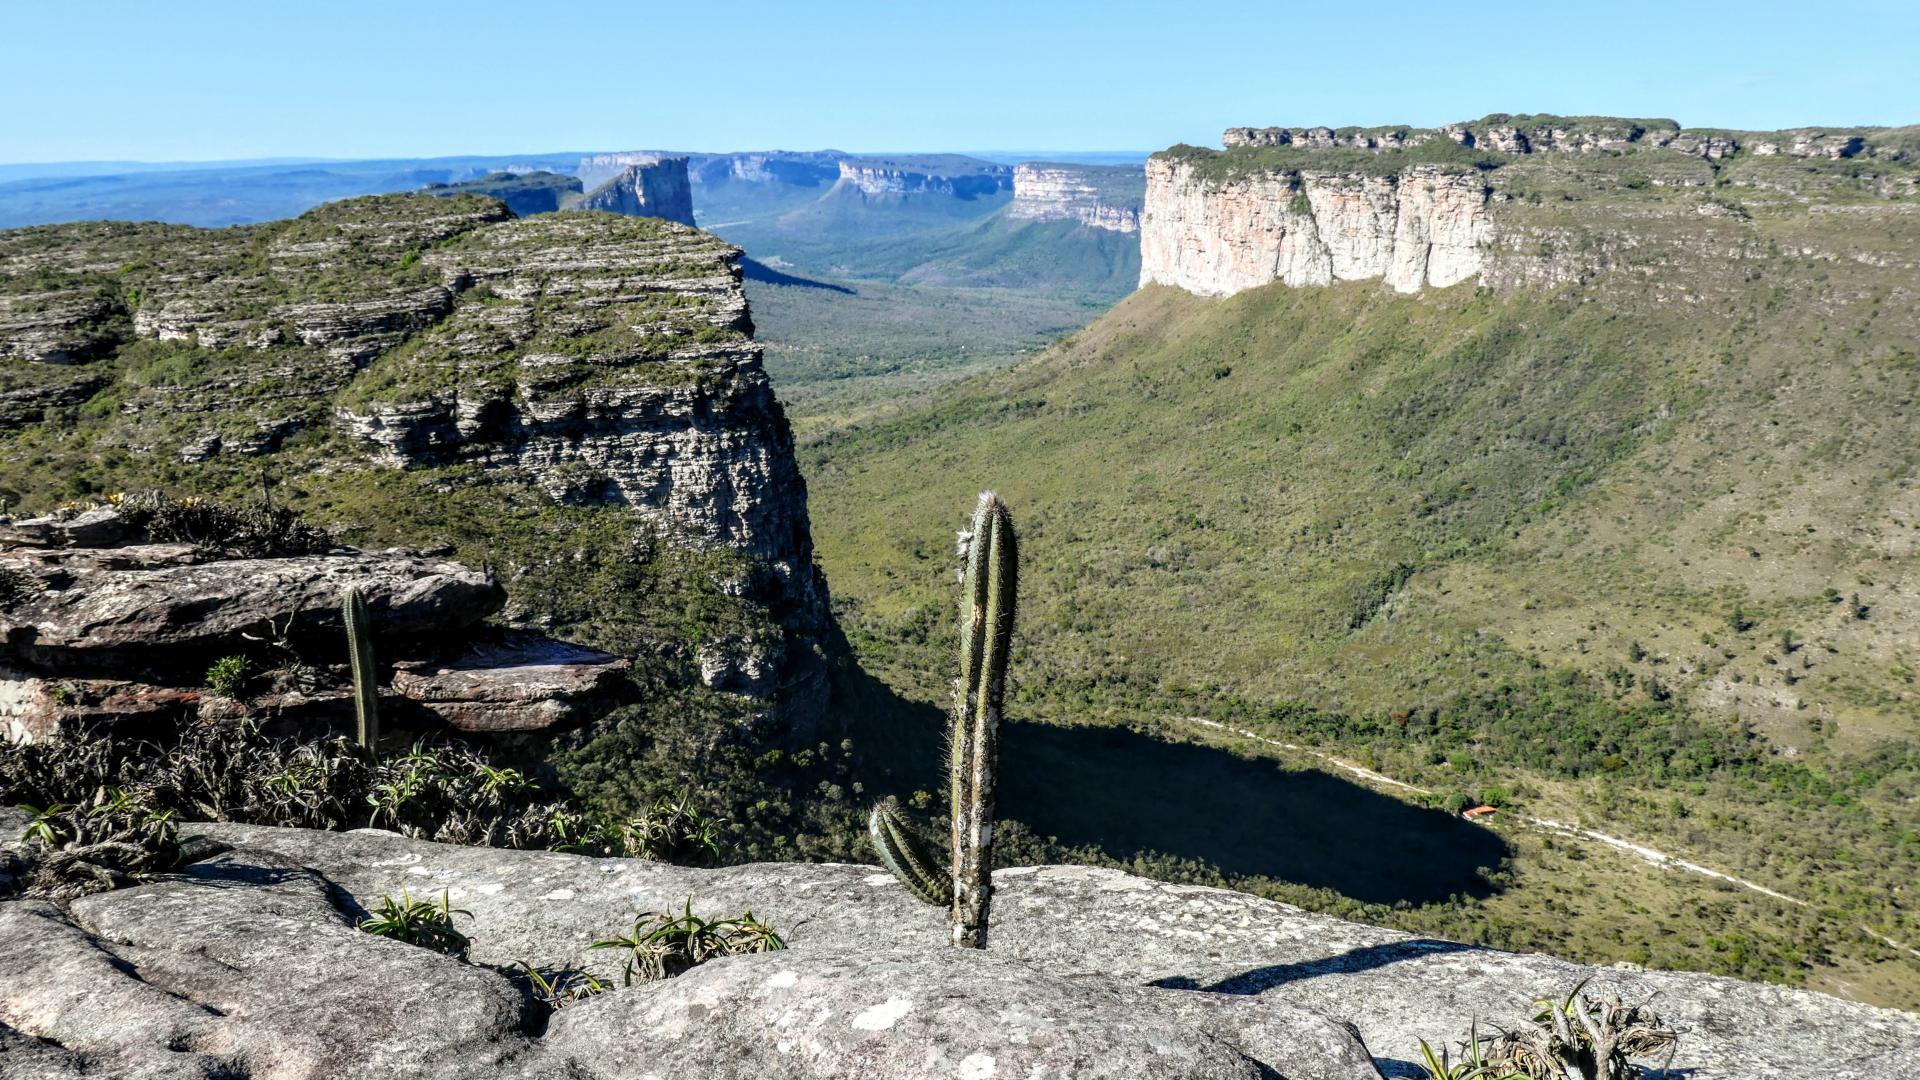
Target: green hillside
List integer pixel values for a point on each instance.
(1643, 564)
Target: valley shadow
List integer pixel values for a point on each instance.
(1126, 794)
(755, 270)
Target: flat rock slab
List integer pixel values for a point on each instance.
(102, 608)
(1068, 922)
(823, 1014)
(244, 969)
(101, 526)
(522, 683)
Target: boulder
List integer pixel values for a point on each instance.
(115, 609)
(517, 683)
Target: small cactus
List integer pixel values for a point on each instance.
(989, 589)
(366, 693)
(988, 594)
(909, 857)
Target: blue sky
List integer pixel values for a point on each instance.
(187, 80)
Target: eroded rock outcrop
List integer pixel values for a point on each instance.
(1090, 973)
(1097, 196)
(604, 360)
(657, 188)
(123, 635)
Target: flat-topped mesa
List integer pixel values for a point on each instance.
(1097, 196)
(657, 188)
(937, 174)
(1504, 201)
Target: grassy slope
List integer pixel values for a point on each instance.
(1377, 504)
(853, 351)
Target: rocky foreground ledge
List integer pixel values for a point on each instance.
(248, 965)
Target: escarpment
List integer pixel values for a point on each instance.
(595, 364)
(1097, 196)
(646, 189)
(1507, 201)
(935, 174)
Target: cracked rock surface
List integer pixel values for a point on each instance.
(1090, 973)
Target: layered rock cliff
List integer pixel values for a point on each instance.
(605, 361)
(646, 189)
(1505, 201)
(1098, 196)
(932, 174)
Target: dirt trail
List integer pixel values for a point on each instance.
(1652, 856)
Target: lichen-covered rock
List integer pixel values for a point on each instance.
(938, 1013)
(1258, 975)
(244, 967)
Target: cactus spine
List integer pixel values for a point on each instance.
(908, 856)
(988, 592)
(366, 695)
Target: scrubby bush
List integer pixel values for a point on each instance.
(445, 791)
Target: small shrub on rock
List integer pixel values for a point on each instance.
(420, 922)
(228, 675)
(662, 945)
(118, 838)
(256, 530)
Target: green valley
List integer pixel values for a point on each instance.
(1642, 564)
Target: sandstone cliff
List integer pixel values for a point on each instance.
(646, 189)
(930, 174)
(1098, 196)
(1505, 201)
(605, 361)
(1091, 973)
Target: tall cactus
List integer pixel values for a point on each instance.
(366, 694)
(988, 592)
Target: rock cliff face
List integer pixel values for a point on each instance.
(936, 174)
(607, 361)
(1496, 202)
(646, 189)
(1100, 197)
(1419, 228)
(1090, 973)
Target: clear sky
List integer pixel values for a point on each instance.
(191, 80)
